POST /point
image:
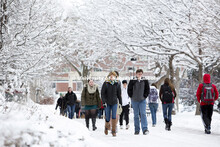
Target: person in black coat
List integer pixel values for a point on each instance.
(138, 90)
(111, 94)
(71, 100)
(61, 102)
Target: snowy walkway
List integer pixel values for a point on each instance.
(187, 131)
(39, 126)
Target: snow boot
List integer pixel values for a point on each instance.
(114, 123)
(208, 130)
(93, 124)
(167, 124)
(107, 125)
(87, 123)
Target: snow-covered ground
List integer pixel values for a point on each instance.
(35, 125)
(187, 131)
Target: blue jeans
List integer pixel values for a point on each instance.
(108, 110)
(139, 109)
(167, 108)
(71, 110)
(153, 109)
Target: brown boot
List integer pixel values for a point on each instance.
(114, 123)
(106, 127)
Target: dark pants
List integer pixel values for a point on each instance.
(125, 113)
(100, 113)
(206, 114)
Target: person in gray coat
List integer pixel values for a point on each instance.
(138, 90)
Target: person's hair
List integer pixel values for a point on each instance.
(69, 88)
(168, 82)
(112, 73)
(124, 82)
(139, 70)
(153, 84)
(89, 80)
(117, 73)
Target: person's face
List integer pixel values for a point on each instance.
(139, 75)
(69, 89)
(91, 83)
(112, 77)
(125, 85)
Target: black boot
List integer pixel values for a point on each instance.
(93, 124)
(167, 124)
(87, 123)
(208, 130)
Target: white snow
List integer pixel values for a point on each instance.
(37, 125)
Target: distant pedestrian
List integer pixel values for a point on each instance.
(167, 96)
(71, 100)
(207, 94)
(125, 105)
(153, 103)
(61, 102)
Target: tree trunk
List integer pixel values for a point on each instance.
(200, 77)
(85, 74)
(177, 86)
(3, 21)
(172, 74)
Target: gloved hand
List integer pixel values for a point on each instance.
(104, 105)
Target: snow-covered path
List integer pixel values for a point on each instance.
(187, 131)
(37, 125)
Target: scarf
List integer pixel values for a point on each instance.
(92, 89)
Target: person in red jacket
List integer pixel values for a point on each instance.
(206, 107)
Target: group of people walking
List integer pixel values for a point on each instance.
(67, 103)
(115, 98)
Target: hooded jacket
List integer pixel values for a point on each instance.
(207, 80)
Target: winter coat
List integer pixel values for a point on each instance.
(138, 90)
(61, 102)
(88, 98)
(111, 94)
(207, 80)
(161, 93)
(70, 98)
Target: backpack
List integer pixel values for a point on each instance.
(153, 95)
(167, 94)
(208, 95)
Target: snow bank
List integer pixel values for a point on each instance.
(35, 125)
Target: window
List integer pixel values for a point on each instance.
(66, 69)
(97, 69)
(79, 86)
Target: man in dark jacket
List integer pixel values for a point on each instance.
(61, 102)
(138, 91)
(71, 100)
(206, 107)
